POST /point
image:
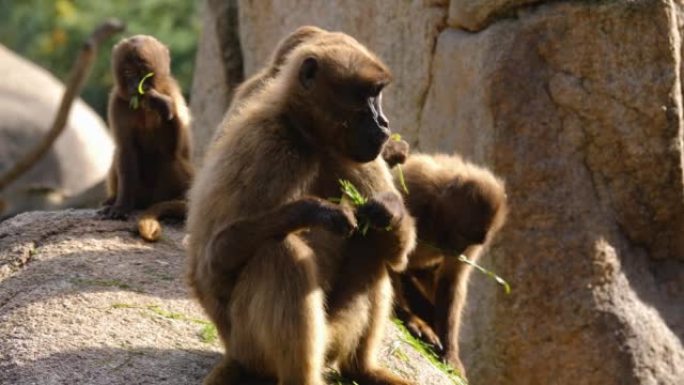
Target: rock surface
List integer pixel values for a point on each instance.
(578, 106)
(85, 301)
(475, 15)
(218, 69)
(81, 156)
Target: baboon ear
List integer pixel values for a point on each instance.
(307, 72)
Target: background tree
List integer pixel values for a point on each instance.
(49, 32)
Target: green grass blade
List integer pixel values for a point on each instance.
(402, 182)
(142, 81)
(499, 280)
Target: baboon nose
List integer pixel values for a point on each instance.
(381, 135)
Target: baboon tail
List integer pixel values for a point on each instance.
(149, 227)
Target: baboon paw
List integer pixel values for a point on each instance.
(113, 212)
(149, 229)
(395, 152)
(339, 220)
(383, 210)
(455, 362)
(422, 330)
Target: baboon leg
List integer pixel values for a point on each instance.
(226, 372)
(362, 366)
(278, 314)
(450, 297)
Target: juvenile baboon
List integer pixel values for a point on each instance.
(149, 120)
(281, 271)
(458, 207)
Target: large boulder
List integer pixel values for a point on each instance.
(476, 15)
(79, 159)
(578, 106)
(86, 301)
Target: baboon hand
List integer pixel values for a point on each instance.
(114, 212)
(422, 330)
(383, 210)
(161, 103)
(456, 363)
(395, 152)
(332, 217)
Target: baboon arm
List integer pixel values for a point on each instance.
(402, 241)
(127, 170)
(450, 297)
(162, 103)
(242, 237)
(395, 244)
(391, 234)
(401, 304)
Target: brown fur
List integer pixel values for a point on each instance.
(151, 168)
(256, 82)
(459, 207)
(270, 259)
(284, 48)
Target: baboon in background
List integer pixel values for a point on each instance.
(278, 268)
(458, 207)
(152, 168)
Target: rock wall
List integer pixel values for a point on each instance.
(578, 105)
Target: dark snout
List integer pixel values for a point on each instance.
(370, 140)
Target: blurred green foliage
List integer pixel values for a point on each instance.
(49, 33)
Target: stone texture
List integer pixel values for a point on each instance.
(85, 301)
(578, 106)
(218, 69)
(475, 15)
(81, 156)
(402, 33)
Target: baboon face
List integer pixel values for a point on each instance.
(345, 82)
(137, 56)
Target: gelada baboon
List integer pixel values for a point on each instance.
(283, 273)
(150, 123)
(458, 207)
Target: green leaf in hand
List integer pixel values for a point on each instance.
(141, 91)
(135, 102)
